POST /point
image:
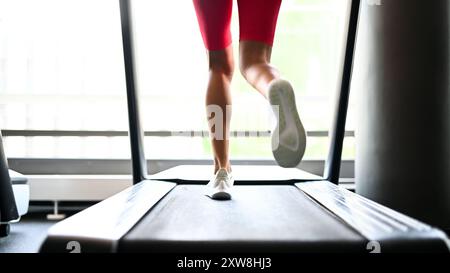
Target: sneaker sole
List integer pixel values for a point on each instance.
(221, 196)
(289, 136)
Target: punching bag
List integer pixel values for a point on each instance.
(403, 128)
(8, 210)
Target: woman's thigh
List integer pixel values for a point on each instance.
(214, 18)
(258, 20)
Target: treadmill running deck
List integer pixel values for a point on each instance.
(281, 217)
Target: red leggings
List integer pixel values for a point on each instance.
(257, 21)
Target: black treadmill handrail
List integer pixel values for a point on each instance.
(337, 132)
(139, 164)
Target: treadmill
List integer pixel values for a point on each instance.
(282, 211)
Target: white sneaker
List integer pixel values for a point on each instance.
(220, 186)
(289, 136)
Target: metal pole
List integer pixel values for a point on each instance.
(337, 134)
(139, 164)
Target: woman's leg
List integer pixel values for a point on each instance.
(255, 65)
(257, 21)
(218, 98)
(214, 18)
(289, 136)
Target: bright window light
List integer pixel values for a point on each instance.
(61, 68)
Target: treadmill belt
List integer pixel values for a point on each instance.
(277, 217)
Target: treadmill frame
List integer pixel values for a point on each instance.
(101, 227)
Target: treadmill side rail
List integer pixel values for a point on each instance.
(377, 223)
(99, 228)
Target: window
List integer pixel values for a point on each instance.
(61, 69)
(172, 71)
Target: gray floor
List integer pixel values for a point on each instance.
(27, 235)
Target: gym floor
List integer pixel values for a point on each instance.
(27, 235)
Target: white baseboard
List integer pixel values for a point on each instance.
(76, 187)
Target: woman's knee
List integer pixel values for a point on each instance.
(222, 62)
(253, 54)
